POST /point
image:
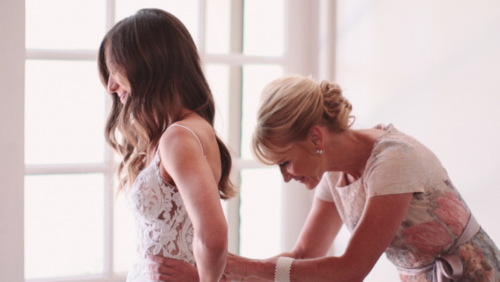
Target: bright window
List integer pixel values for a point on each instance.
(75, 230)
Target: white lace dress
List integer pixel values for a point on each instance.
(162, 224)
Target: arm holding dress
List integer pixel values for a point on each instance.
(378, 225)
(322, 225)
(184, 161)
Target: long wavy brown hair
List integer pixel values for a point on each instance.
(157, 55)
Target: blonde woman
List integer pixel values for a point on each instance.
(390, 191)
(174, 168)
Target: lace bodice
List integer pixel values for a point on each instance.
(163, 226)
(162, 223)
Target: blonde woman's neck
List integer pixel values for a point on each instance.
(349, 151)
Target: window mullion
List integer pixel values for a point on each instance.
(327, 39)
(202, 26)
(238, 59)
(67, 169)
(110, 14)
(108, 193)
(63, 55)
(108, 225)
(12, 32)
(235, 90)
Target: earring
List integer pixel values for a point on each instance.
(319, 152)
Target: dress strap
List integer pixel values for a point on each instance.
(176, 124)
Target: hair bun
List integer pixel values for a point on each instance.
(337, 108)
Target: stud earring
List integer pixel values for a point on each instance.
(319, 152)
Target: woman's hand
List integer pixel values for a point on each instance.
(171, 270)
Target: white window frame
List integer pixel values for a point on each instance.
(309, 50)
(310, 29)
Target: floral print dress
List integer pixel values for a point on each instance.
(435, 219)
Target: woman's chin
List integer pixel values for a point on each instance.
(310, 184)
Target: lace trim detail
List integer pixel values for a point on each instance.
(162, 224)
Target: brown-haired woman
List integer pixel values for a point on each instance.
(390, 191)
(174, 168)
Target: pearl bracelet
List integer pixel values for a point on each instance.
(282, 273)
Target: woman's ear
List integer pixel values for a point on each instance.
(317, 137)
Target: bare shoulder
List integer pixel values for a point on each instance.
(177, 139)
(193, 134)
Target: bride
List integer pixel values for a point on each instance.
(174, 168)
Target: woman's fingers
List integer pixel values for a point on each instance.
(158, 268)
(159, 277)
(171, 270)
(176, 276)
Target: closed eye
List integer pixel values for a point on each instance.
(283, 164)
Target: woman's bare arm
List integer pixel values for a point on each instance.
(322, 225)
(320, 229)
(375, 231)
(183, 159)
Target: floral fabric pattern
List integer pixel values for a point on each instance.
(437, 214)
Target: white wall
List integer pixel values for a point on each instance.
(11, 140)
(432, 68)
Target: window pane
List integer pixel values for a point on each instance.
(218, 79)
(64, 233)
(65, 112)
(255, 78)
(124, 236)
(260, 212)
(218, 26)
(63, 24)
(263, 27)
(186, 11)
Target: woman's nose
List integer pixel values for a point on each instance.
(286, 176)
(112, 85)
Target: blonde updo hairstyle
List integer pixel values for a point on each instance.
(289, 107)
